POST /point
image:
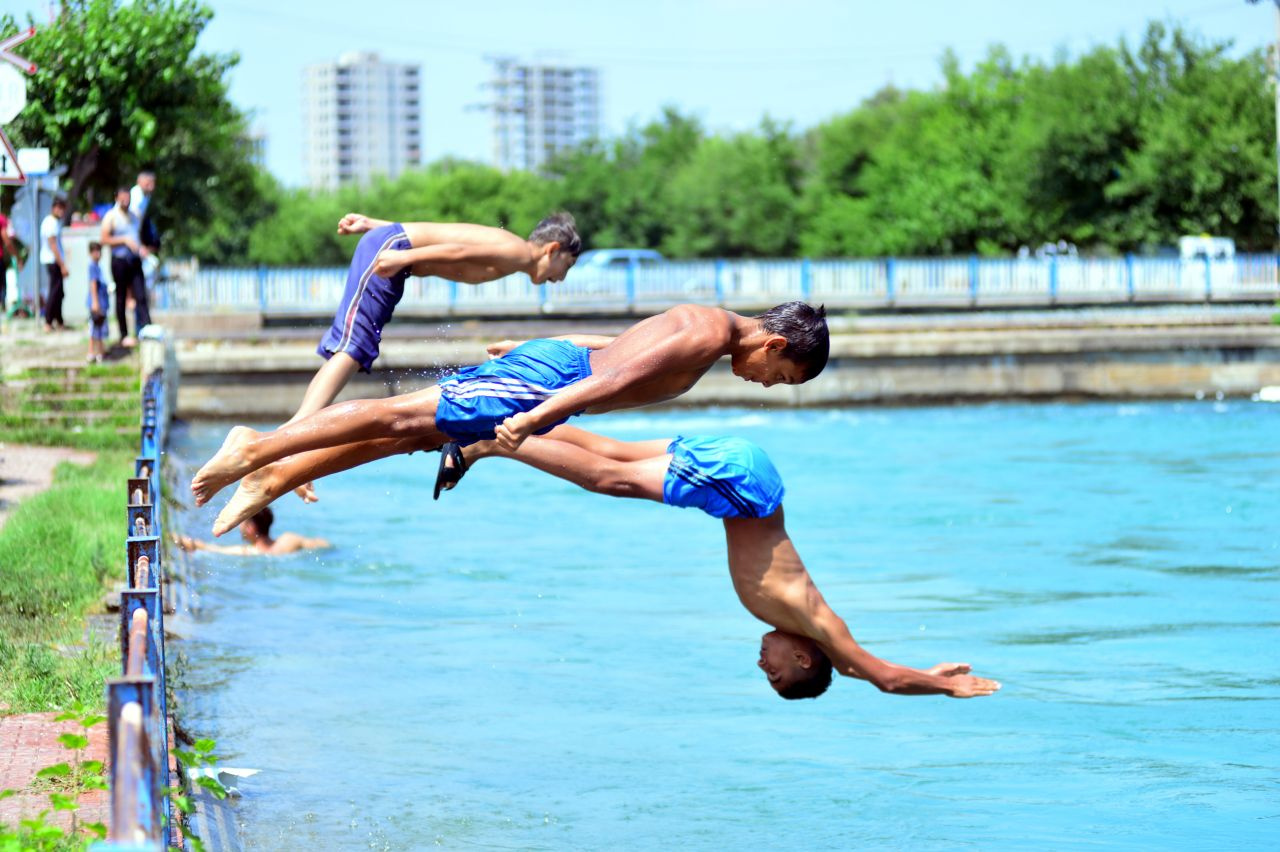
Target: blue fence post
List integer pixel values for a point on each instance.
(1130, 273)
(1208, 278)
(973, 279)
(632, 267)
(721, 267)
(891, 279)
(1053, 278)
(262, 289)
(806, 279)
(453, 297)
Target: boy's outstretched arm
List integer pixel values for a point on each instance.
(677, 341)
(358, 223)
(852, 660)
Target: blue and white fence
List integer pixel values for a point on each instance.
(137, 711)
(871, 283)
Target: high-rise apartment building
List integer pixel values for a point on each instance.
(540, 110)
(361, 117)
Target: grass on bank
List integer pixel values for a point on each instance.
(93, 407)
(56, 551)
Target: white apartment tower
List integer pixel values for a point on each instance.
(361, 118)
(540, 110)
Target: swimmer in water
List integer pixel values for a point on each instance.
(256, 532)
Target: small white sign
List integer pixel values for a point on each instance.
(13, 92)
(10, 172)
(34, 161)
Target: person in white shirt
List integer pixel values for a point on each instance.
(120, 232)
(55, 263)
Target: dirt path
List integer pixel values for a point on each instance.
(28, 470)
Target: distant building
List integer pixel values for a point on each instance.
(361, 117)
(540, 110)
(254, 143)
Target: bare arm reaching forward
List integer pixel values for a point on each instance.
(774, 586)
(684, 340)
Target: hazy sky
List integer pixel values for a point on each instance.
(728, 61)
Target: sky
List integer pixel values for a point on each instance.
(729, 62)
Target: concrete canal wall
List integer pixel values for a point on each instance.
(261, 375)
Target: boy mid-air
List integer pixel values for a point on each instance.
(389, 252)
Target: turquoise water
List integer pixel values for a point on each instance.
(527, 666)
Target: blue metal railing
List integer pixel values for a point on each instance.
(137, 712)
(869, 283)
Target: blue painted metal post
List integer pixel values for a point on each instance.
(891, 279)
(973, 279)
(1208, 278)
(632, 268)
(1053, 279)
(1130, 274)
(262, 289)
(721, 268)
(453, 296)
(806, 279)
(143, 792)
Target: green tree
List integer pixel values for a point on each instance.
(121, 86)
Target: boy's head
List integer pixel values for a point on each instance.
(95, 251)
(259, 526)
(795, 665)
(59, 207)
(793, 348)
(556, 237)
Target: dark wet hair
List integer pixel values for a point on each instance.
(805, 328)
(816, 678)
(263, 521)
(94, 245)
(558, 228)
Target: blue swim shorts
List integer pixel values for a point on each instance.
(368, 301)
(724, 477)
(474, 400)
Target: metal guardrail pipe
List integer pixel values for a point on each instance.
(137, 713)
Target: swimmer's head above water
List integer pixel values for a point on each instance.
(795, 665)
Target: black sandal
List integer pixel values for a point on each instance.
(448, 476)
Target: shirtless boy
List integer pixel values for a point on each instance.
(258, 541)
(389, 252)
(733, 479)
(537, 386)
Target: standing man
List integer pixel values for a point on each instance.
(7, 250)
(120, 231)
(54, 261)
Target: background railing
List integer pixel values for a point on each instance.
(137, 712)
(871, 283)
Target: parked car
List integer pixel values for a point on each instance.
(604, 271)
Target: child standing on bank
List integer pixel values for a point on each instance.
(97, 305)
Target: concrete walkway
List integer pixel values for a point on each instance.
(28, 470)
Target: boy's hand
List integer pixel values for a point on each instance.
(389, 262)
(354, 223)
(502, 347)
(512, 432)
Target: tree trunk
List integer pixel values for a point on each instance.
(81, 170)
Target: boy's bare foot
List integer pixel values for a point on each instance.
(224, 468)
(253, 494)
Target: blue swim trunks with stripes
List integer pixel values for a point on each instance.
(474, 400)
(368, 301)
(724, 477)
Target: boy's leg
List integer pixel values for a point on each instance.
(638, 478)
(263, 486)
(331, 378)
(410, 415)
(609, 447)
